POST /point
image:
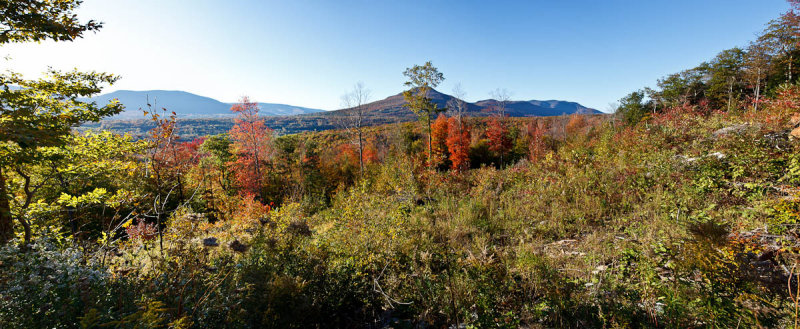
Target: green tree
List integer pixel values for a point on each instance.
(38, 20)
(632, 108)
(77, 185)
(725, 83)
(35, 114)
(687, 86)
(421, 80)
(782, 36)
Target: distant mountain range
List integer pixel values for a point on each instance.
(390, 109)
(393, 107)
(186, 105)
(203, 116)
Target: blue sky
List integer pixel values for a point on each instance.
(309, 53)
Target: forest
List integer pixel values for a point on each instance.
(679, 210)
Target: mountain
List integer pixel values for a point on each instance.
(186, 105)
(393, 107)
(201, 116)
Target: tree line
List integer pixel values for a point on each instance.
(737, 78)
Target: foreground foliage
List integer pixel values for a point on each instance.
(667, 224)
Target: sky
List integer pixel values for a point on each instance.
(310, 53)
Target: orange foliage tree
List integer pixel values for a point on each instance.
(252, 144)
(458, 138)
(439, 141)
(499, 139)
(576, 124)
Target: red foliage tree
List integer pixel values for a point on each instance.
(439, 141)
(458, 138)
(252, 144)
(168, 162)
(499, 139)
(370, 154)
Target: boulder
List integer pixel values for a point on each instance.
(735, 129)
(794, 121)
(795, 133)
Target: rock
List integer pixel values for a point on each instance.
(690, 160)
(195, 217)
(238, 246)
(685, 159)
(717, 155)
(210, 242)
(736, 129)
(599, 269)
(565, 241)
(795, 120)
(795, 134)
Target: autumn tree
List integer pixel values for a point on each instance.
(576, 124)
(458, 138)
(458, 135)
(355, 104)
(161, 156)
(782, 38)
(499, 140)
(756, 68)
(41, 113)
(536, 146)
(439, 135)
(252, 143)
(168, 163)
(421, 80)
(497, 130)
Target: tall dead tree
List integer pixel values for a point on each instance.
(355, 104)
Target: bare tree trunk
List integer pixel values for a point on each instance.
(6, 222)
(353, 122)
(730, 95)
(758, 90)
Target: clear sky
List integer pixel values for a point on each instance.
(309, 53)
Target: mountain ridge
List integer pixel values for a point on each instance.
(186, 104)
(393, 106)
(189, 105)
